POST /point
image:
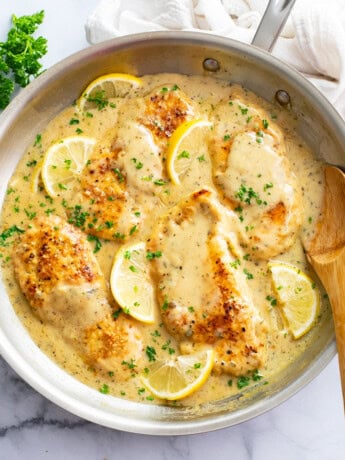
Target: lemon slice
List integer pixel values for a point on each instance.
(178, 377)
(131, 284)
(106, 87)
(185, 145)
(297, 295)
(64, 162)
(36, 179)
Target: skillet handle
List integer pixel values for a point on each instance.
(272, 22)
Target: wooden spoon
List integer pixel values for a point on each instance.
(327, 255)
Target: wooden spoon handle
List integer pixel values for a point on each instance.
(332, 275)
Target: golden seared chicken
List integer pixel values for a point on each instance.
(166, 108)
(128, 165)
(202, 291)
(60, 277)
(252, 173)
(107, 209)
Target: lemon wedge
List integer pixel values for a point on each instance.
(185, 145)
(178, 377)
(64, 162)
(297, 295)
(105, 87)
(131, 284)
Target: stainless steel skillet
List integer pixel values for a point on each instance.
(182, 52)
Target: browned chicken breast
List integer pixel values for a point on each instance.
(128, 164)
(204, 297)
(108, 209)
(61, 279)
(166, 108)
(253, 175)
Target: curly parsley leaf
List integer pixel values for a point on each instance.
(20, 55)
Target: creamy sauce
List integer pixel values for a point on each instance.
(23, 203)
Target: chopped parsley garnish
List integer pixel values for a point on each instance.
(116, 313)
(227, 137)
(38, 140)
(31, 163)
(256, 375)
(268, 186)
(119, 175)
(160, 182)
(249, 275)
(147, 178)
(68, 163)
(74, 121)
(49, 211)
(8, 233)
(247, 194)
(244, 110)
(31, 215)
(153, 255)
(165, 304)
(133, 269)
(166, 346)
(130, 364)
(239, 210)
(138, 164)
(120, 236)
(259, 136)
(201, 158)
(272, 300)
(99, 99)
(183, 154)
(242, 382)
(150, 353)
(104, 389)
(155, 333)
(78, 216)
(265, 124)
(235, 263)
(98, 244)
(133, 229)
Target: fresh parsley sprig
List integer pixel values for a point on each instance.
(20, 54)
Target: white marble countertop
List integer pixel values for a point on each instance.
(309, 426)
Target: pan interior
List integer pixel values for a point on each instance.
(185, 53)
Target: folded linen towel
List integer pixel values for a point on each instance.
(312, 40)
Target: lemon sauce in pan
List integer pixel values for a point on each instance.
(262, 140)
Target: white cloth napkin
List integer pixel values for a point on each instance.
(313, 39)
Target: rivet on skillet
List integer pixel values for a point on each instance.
(210, 64)
(282, 97)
